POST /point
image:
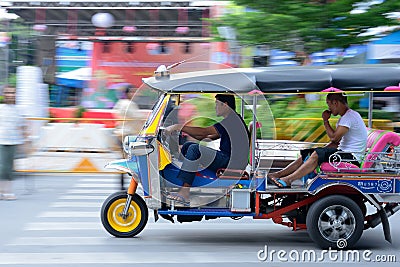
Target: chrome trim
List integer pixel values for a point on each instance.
(367, 196)
(392, 198)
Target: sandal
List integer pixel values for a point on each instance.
(277, 182)
(178, 198)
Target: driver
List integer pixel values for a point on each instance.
(232, 153)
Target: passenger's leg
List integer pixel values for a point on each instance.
(304, 169)
(292, 167)
(295, 165)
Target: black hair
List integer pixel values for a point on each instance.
(128, 89)
(338, 97)
(228, 99)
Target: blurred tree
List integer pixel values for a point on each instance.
(306, 26)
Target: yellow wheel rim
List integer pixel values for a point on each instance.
(117, 222)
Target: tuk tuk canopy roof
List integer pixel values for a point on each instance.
(280, 79)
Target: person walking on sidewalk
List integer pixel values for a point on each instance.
(12, 128)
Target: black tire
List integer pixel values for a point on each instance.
(115, 224)
(335, 221)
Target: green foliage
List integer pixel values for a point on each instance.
(79, 112)
(12, 80)
(305, 25)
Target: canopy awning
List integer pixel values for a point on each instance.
(77, 78)
(281, 79)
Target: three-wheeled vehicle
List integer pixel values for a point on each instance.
(332, 205)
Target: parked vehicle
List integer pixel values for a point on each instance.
(331, 205)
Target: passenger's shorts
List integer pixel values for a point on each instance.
(325, 152)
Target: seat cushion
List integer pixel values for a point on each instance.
(339, 167)
(380, 146)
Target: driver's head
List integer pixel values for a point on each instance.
(224, 104)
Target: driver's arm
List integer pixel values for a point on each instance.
(201, 133)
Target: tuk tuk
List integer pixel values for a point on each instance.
(331, 205)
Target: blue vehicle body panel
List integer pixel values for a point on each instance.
(362, 184)
(208, 212)
(137, 166)
(208, 178)
(144, 173)
(125, 165)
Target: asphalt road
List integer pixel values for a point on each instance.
(55, 222)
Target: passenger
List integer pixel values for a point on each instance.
(232, 153)
(350, 136)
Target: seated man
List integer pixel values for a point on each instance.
(232, 153)
(349, 136)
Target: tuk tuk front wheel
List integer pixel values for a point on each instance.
(119, 225)
(335, 221)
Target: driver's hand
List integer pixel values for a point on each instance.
(172, 128)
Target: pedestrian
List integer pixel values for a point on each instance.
(12, 134)
(126, 108)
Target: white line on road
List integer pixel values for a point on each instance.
(87, 240)
(69, 214)
(92, 191)
(97, 185)
(119, 258)
(67, 204)
(102, 180)
(65, 241)
(78, 197)
(57, 226)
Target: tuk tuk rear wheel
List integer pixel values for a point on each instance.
(335, 221)
(113, 220)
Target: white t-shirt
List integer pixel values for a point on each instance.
(11, 123)
(355, 140)
(128, 109)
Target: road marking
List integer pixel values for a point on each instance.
(69, 214)
(96, 225)
(76, 204)
(59, 241)
(103, 180)
(92, 191)
(78, 197)
(86, 240)
(57, 226)
(96, 185)
(132, 258)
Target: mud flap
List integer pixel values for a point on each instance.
(155, 215)
(385, 225)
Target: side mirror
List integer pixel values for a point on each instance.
(140, 148)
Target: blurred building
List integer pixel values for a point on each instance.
(385, 49)
(122, 41)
